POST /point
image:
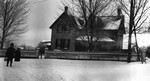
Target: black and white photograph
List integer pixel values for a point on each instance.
(74, 40)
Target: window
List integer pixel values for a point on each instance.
(58, 43)
(67, 28)
(62, 28)
(66, 44)
(62, 44)
(59, 28)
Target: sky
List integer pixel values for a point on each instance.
(41, 15)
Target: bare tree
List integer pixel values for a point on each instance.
(88, 11)
(136, 12)
(13, 14)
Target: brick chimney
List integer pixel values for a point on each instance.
(119, 13)
(66, 9)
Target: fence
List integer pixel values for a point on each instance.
(28, 54)
(32, 54)
(121, 56)
(2, 53)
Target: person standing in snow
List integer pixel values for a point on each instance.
(10, 54)
(17, 55)
(41, 52)
(143, 54)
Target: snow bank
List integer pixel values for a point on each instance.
(73, 70)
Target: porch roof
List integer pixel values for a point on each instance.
(101, 39)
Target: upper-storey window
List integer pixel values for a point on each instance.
(59, 28)
(63, 28)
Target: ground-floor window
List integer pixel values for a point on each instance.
(62, 44)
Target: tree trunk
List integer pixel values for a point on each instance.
(2, 43)
(129, 49)
(90, 49)
(137, 48)
(130, 32)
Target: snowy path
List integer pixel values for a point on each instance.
(73, 70)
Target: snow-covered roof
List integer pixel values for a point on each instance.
(106, 39)
(113, 25)
(46, 41)
(102, 39)
(111, 22)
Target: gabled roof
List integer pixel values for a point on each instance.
(68, 16)
(57, 20)
(111, 22)
(113, 25)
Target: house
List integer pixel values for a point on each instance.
(62, 33)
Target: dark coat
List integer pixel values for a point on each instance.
(10, 52)
(42, 50)
(17, 55)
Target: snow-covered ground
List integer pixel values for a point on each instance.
(73, 70)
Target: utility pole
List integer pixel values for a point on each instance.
(130, 31)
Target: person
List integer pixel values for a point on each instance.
(17, 55)
(143, 54)
(10, 54)
(41, 51)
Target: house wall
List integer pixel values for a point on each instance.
(120, 33)
(120, 42)
(120, 39)
(107, 46)
(116, 35)
(111, 33)
(63, 35)
(103, 46)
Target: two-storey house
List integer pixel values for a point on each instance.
(63, 27)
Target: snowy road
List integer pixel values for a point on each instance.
(73, 70)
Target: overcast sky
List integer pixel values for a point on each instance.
(42, 14)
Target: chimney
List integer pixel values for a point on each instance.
(119, 13)
(66, 9)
